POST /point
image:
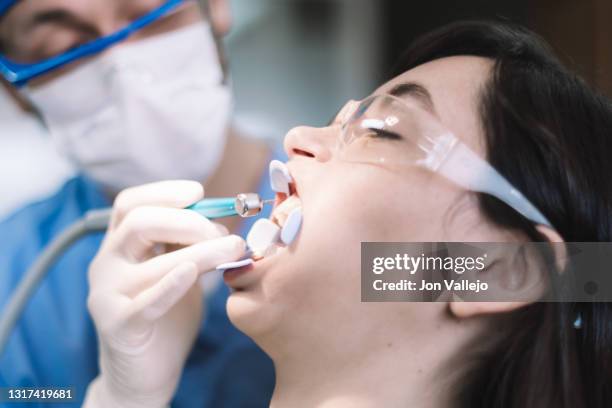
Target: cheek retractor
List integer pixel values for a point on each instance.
(292, 226)
(280, 178)
(261, 238)
(247, 260)
(265, 233)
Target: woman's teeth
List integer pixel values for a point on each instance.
(282, 211)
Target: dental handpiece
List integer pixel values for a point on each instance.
(244, 205)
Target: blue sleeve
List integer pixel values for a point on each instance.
(54, 338)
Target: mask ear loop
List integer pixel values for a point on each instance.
(217, 38)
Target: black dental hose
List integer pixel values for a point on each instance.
(93, 221)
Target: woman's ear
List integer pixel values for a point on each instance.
(515, 278)
(521, 277)
(220, 16)
(558, 245)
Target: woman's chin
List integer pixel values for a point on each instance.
(248, 312)
(255, 305)
(248, 307)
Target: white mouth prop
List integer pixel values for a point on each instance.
(267, 235)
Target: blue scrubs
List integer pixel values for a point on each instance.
(54, 343)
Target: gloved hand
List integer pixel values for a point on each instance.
(146, 304)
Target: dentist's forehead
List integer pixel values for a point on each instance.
(452, 86)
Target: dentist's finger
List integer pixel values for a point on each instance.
(174, 194)
(206, 255)
(157, 300)
(145, 227)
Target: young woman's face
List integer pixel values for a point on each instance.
(312, 288)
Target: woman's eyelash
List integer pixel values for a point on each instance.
(384, 134)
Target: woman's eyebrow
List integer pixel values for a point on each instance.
(416, 91)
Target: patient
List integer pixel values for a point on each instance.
(499, 89)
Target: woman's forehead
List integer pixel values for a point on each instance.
(454, 85)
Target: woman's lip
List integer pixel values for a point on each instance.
(246, 277)
(231, 276)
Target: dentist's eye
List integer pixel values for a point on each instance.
(73, 46)
(49, 50)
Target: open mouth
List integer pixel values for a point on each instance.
(270, 235)
(287, 211)
(284, 204)
(284, 224)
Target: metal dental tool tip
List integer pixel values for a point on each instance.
(250, 204)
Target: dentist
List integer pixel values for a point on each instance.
(131, 92)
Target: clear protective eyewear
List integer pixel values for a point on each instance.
(19, 73)
(389, 131)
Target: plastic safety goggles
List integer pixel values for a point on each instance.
(19, 74)
(389, 131)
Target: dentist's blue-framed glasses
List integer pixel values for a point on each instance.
(19, 73)
(392, 132)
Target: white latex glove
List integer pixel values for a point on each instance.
(147, 306)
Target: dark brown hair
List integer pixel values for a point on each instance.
(550, 135)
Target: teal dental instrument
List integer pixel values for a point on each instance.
(244, 205)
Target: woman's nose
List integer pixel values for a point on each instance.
(316, 143)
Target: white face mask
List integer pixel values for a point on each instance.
(150, 110)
